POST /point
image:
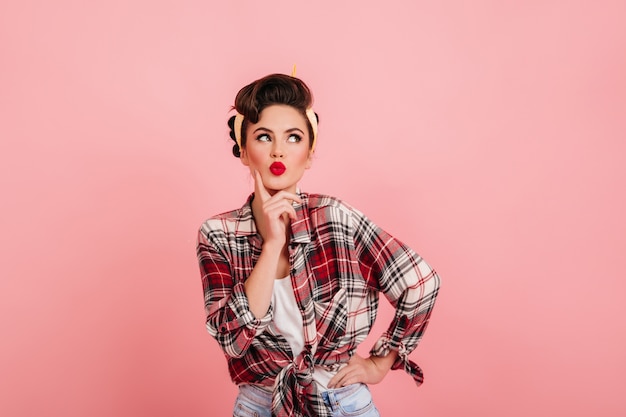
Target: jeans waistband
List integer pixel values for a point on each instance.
(259, 394)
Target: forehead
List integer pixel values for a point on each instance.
(281, 115)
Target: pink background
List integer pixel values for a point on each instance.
(488, 135)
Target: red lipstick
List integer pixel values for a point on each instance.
(277, 168)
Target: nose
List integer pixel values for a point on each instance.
(277, 150)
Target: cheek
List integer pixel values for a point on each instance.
(307, 159)
(256, 161)
(250, 158)
(303, 155)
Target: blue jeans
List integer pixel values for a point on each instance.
(351, 401)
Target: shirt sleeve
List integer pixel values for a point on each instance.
(228, 316)
(406, 280)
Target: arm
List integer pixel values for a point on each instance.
(238, 311)
(407, 281)
(260, 284)
(228, 316)
(411, 287)
(272, 216)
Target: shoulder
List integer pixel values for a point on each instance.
(224, 218)
(323, 201)
(327, 207)
(229, 222)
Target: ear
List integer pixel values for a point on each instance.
(243, 156)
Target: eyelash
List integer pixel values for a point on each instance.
(264, 137)
(298, 137)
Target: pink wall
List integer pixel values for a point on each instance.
(488, 135)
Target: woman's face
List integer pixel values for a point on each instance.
(278, 147)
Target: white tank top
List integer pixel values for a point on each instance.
(288, 321)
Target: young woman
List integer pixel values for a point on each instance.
(292, 280)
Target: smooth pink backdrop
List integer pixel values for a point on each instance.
(488, 135)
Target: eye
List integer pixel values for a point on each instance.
(294, 138)
(263, 137)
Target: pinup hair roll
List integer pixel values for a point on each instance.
(269, 90)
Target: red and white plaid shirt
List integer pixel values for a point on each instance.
(340, 263)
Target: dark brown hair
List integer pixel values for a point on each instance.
(264, 92)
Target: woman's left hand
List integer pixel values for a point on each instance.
(370, 370)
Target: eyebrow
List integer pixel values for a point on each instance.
(291, 130)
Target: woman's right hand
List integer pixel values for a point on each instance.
(276, 212)
(272, 214)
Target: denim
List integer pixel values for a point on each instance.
(352, 401)
(253, 401)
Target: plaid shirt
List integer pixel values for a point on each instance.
(340, 262)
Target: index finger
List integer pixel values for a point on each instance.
(259, 187)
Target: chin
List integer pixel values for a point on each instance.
(277, 185)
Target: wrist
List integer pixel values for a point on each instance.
(275, 246)
(385, 362)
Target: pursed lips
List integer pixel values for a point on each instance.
(277, 168)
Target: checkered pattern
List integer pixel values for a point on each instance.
(340, 262)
